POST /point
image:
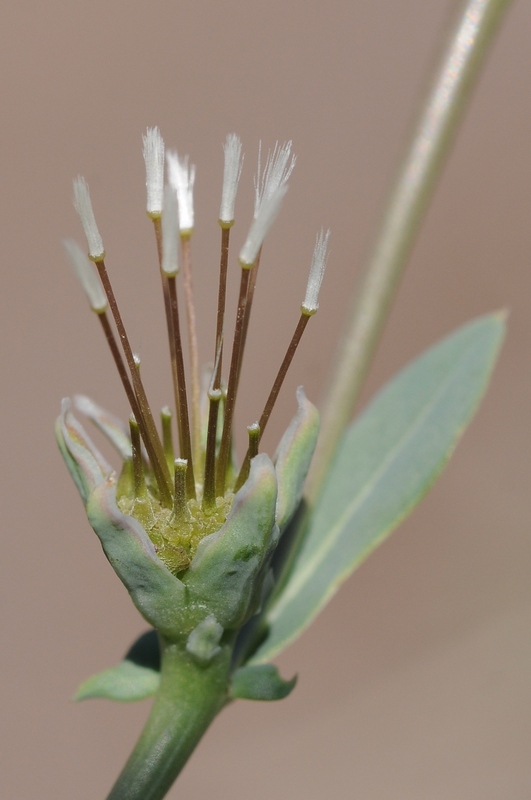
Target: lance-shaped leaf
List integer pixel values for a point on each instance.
(387, 461)
(260, 682)
(293, 456)
(228, 565)
(136, 677)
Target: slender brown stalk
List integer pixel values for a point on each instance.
(223, 457)
(152, 442)
(140, 488)
(120, 366)
(209, 485)
(186, 443)
(248, 308)
(279, 380)
(222, 295)
(194, 351)
(133, 400)
(171, 334)
(252, 451)
(214, 396)
(275, 389)
(180, 509)
(167, 437)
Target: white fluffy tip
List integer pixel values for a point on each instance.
(231, 177)
(182, 177)
(154, 160)
(278, 168)
(261, 225)
(170, 233)
(87, 275)
(83, 207)
(317, 271)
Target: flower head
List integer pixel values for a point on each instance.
(191, 537)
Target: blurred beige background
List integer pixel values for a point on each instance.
(415, 683)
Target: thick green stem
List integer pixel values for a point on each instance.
(442, 110)
(189, 697)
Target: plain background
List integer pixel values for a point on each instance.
(415, 683)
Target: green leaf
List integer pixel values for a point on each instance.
(134, 678)
(386, 463)
(260, 682)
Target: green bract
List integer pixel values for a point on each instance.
(222, 587)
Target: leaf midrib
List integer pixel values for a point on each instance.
(303, 575)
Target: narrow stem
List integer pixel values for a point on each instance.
(224, 448)
(132, 397)
(189, 697)
(252, 451)
(167, 437)
(180, 509)
(209, 484)
(139, 481)
(248, 309)
(222, 295)
(153, 443)
(273, 394)
(279, 380)
(442, 111)
(172, 338)
(194, 352)
(186, 443)
(120, 366)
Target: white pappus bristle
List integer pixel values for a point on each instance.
(260, 226)
(170, 233)
(182, 177)
(278, 168)
(317, 271)
(87, 276)
(83, 207)
(231, 177)
(154, 159)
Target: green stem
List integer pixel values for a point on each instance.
(189, 697)
(441, 113)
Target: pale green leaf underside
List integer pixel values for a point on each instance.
(136, 677)
(387, 461)
(126, 682)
